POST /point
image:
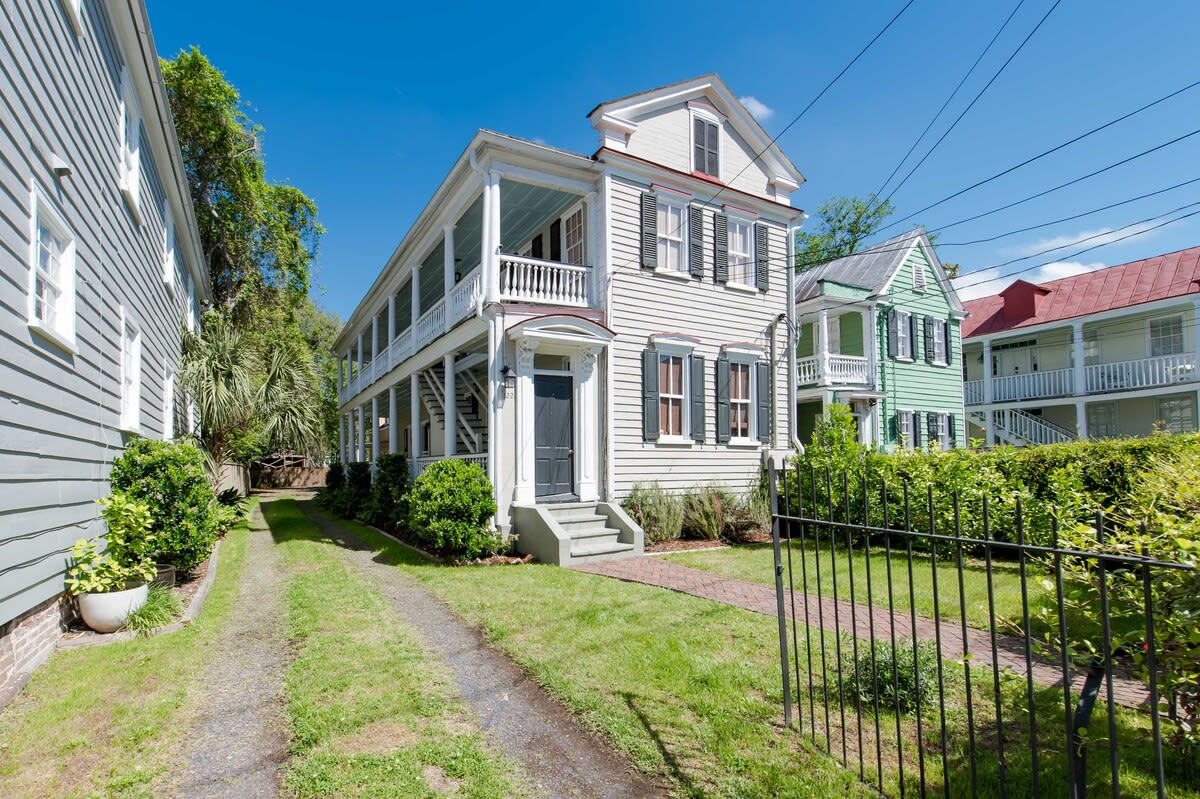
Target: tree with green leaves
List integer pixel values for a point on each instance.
(843, 224)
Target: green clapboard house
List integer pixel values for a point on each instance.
(879, 332)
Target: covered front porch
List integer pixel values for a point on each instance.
(834, 348)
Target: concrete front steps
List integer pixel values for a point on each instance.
(571, 533)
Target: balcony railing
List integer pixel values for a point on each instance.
(1142, 373)
(534, 280)
(421, 464)
(1034, 385)
(973, 392)
(842, 370)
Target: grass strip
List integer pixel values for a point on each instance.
(373, 714)
(106, 720)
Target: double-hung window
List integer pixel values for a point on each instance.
(1102, 421)
(168, 253)
(741, 252)
(904, 342)
(131, 373)
(672, 232)
(1177, 414)
(940, 352)
(945, 436)
(130, 158)
(52, 275)
(742, 416)
(906, 428)
(1166, 336)
(672, 395)
(706, 148)
(573, 229)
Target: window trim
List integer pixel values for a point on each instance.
(668, 349)
(904, 330)
(940, 331)
(711, 119)
(750, 361)
(1178, 316)
(131, 404)
(945, 436)
(577, 208)
(1190, 399)
(1112, 405)
(751, 267)
(904, 433)
(169, 256)
(678, 203)
(129, 154)
(43, 213)
(168, 401)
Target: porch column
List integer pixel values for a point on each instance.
(342, 437)
(1081, 428)
(391, 312)
(361, 454)
(491, 237)
(823, 351)
(374, 338)
(374, 428)
(870, 342)
(416, 300)
(989, 423)
(341, 373)
(393, 419)
(591, 249)
(360, 353)
(448, 265)
(525, 422)
(1080, 367)
(451, 431)
(415, 412)
(587, 426)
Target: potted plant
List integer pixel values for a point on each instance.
(110, 585)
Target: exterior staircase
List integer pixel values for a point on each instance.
(571, 533)
(1021, 429)
(470, 425)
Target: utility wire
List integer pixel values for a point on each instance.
(971, 105)
(953, 94)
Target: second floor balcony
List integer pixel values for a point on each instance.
(832, 349)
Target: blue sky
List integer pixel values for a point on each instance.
(366, 109)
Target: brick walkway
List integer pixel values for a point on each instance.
(858, 618)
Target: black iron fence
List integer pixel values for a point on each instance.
(934, 659)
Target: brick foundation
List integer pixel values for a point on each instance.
(30, 638)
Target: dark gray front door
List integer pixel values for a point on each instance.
(554, 456)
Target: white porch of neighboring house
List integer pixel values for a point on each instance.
(837, 363)
(487, 344)
(1091, 377)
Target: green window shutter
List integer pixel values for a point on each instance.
(950, 422)
(695, 241)
(649, 231)
(762, 257)
(893, 346)
(650, 421)
(931, 426)
(912, 337)
(697, 397)
(763, 371)
(720, 248)
(927, 325)
(722, 400)
(949, 342)
(916, 430)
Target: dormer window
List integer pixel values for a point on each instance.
(706, 145)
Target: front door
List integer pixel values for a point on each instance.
(554, 454)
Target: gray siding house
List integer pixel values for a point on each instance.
(100, 270)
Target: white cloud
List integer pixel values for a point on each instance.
(1088, 238)
(990, 281)
(757, 108)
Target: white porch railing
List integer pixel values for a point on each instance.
(465, 295)
(1054, 383)
(421, 464)
(1142, 373)
(535, 280)
(431, 324)
(973, 392)
(843, 369)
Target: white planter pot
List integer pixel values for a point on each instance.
(106, 613)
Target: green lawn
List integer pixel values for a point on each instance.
(372, 713)
(106, 720)
(756, 564)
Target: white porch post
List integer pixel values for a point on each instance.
(451, 431)
(416, 297)
(393, 419)
(374, 338)
(342, 437)
(871, 344)
(361, 453)
(1081, 428)
(1080, 367)
(587, 426)
(341, 373)
(823, 351)
(391, 313)
(491, 237)
(415, 410)
(989, 423)
(495, 396)
(448, 264)
(374, 428)
(525, 421)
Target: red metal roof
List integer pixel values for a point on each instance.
(1174, 274)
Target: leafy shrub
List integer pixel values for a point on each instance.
(450, 508)
(358, 480)
(704, 512)
(126, 557)
(388, 505)
(658, 513)
(162, 608)
(335, 478)
(905, 684)
(170, 479)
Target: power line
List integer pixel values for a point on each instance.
(1055, 149)
(971, 105)
(953, 94)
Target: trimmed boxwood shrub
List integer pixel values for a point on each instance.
(335, 478)
(450, 508)
(388, 506)
(170, 478)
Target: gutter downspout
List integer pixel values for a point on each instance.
(791, 338)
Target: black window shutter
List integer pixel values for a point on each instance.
(762, 257)
(916, 429)
(894, 424)
(720, 248)
(556, 240)
(713, 164)
(950, 429)
(912, 337)
(928, 324)
(698, 141)
(695, 241)
(649, 231)
(535, 247)
(892, 342)
(722, 400)
(949, 343)
(931, 426)
(697, 396)
(650, 394)
(764, 400)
